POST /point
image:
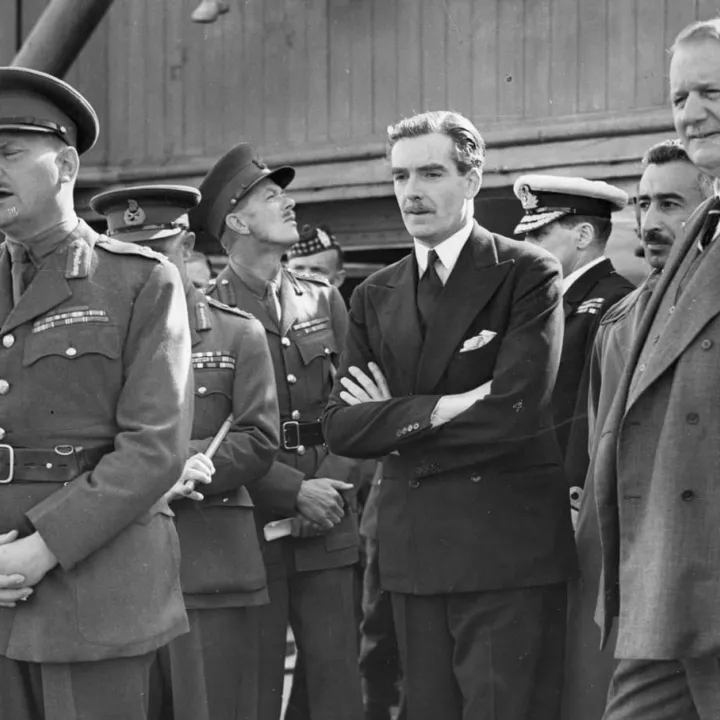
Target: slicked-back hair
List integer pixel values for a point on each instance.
(602, 227)
(669, 151)
(469, 147)
(701, 30)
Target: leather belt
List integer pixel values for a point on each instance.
(60, 464)
(295, 434)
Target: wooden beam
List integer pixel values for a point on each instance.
(60, 34)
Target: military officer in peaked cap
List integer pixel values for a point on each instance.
(211, 674)
(95, 379)
(572, 218)
(310, 575)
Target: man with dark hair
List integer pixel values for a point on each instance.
(310, 575)
(571, 218)
(95, 418)
(317, 253)
(670, 189)
(657, 463)
(473, 527)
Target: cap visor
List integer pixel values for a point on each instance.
(138, 236)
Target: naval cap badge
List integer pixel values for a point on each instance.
(528, 199)
(134, 215)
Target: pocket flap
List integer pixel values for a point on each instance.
(315, 346)
(73, 342)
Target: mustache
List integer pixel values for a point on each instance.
(416, 207)
(651, 237)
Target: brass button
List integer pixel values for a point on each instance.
(300, 449)
(4, 387)
(48, 466)
(8, 341)
(2, 433)
(71, 352)
(414, 483)
(285, 341)
(202, 390)
(224, 281)
(326, 351)
(295, 414)
(671, 310)
(476, 477)
(642, 368)
(291, 379)
(706, 344)
(225, 499)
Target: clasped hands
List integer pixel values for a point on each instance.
(198, 469)
(23, 563)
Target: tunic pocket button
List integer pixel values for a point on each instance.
(8, 341)
(706, 344)
(71, 352)
(476, 477)
(687, 495)
(414, 483)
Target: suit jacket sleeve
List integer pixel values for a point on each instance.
(154, 418)
(250, 447)
(522, 382)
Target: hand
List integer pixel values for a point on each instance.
(450, 406)
(366, 389)
(320, 502)
(29, 557)
(303, 528)
(12, 587)
(198, 469)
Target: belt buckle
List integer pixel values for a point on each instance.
(11, 456)
(295, 425)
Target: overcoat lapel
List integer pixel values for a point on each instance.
(472, 283)
(396, 307)
(48, 289)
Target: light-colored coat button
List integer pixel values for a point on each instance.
(8, 341)
(285, 341)
(295, 414)
(2, 433)
(4, 387)
(291, 379)
(71, 352)
(300, 449)
(202, 390)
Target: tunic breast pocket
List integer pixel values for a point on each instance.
(74, 343)
(213, 400)
(319, 352)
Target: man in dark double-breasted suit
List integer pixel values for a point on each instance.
(449, 364)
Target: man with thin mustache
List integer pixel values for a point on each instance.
(670, 189)
(451, 357)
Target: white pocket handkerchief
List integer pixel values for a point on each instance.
(478, 341)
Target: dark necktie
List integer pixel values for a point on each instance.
(428, 291)
(20, 271)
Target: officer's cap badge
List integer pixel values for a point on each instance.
(134, 215)
(528, 199)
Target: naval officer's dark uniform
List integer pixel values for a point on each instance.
(212, 673)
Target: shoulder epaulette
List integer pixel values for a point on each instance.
(223, 289)
(228, 308)
(317, 279)
(125, 248)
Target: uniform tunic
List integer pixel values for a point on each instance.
(213, 670)
(311, 579)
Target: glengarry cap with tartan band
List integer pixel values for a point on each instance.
(547, 198)
(35, 102)
(146, 212)
(313, 240)
(230, 179)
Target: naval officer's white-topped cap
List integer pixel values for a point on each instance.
(547, 198)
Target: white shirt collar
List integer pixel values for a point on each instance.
(575, 274)
(448, 251)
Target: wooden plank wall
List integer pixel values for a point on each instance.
(333, 73)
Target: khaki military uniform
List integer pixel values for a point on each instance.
(213, 670)
(95, 382)
(311, 580)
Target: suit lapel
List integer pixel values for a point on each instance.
(677, 262)
(396, 308)
(472, 283)
(48, 289)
